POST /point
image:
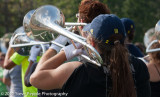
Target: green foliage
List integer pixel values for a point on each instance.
(145, 13)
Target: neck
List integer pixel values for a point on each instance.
(127, 41)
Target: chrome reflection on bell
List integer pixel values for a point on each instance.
(47, 23)
(46, 15)
(19, 37)
(149, 36)
(155, 38)
(157, 27)
(157, 30)
(26, 21)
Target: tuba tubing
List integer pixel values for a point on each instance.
(66, 33)
(30, 43)
(148, 50)
(74, 24)
(70, 29)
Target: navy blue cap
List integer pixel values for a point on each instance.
(104, 26)
(128, 24)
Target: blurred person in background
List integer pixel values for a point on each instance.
(141, 47)
(154, 70)
(6, 79)
(130, 30)
(3, 89)
(17, 59)
(4, 44)
(12, 74)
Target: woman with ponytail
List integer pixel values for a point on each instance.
(120, 75)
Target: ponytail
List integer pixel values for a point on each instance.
(115, 58)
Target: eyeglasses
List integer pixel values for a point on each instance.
(77, 15)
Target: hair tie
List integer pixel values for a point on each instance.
(117, 41)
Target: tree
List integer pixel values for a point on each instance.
(143, 13)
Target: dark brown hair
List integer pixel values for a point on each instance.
(115, 58)
(141, 47)
(156, 55)
(89, 9)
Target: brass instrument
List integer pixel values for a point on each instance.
(155, 38)
(47, 22)
(22, 37)
(151, 36)
(74, 24)
(20, 40)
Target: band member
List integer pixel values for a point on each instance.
(118, 76)
(88, 10)
(130, 30)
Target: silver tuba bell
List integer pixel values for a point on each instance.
(48, 22)
(42, 17)
(18, 39)
(22, 37)
(26, 21)
(157, 27)
(148, 36)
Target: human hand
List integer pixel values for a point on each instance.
(34, 52)
(71, 51)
